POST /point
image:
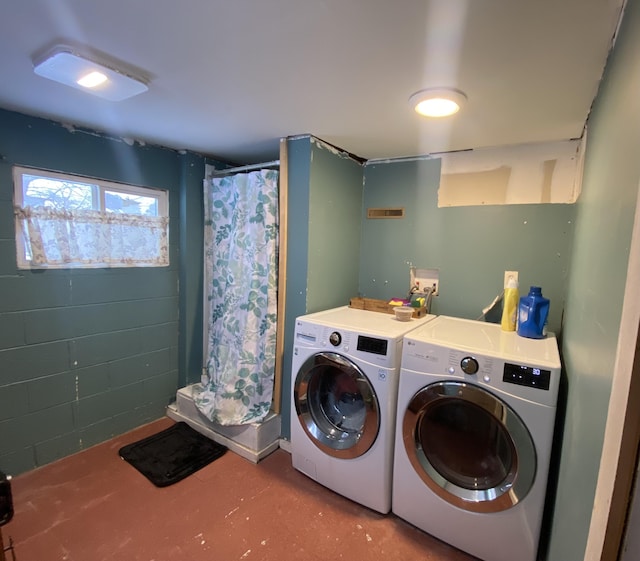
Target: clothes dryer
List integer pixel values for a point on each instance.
(476, 413)
(344, 389)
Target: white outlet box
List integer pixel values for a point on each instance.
(423, 278)
(508, 275)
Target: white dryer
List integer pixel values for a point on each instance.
(345, 371)
(476, 413)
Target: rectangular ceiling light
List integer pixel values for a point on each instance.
(67, 66)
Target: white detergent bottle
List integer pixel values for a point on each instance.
(510, 306)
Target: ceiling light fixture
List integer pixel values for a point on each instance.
(437, 102)
(66, 65)
(92, 80)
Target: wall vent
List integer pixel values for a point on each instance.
(385, 213)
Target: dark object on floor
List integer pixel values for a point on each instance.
(6, 501)
(171, 455)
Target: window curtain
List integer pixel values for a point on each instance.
(241, 245)
(55, 238)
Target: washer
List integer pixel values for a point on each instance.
(476, 412)
(345, 371)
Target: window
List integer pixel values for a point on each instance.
(65, 221)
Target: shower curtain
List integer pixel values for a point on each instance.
(241, 244)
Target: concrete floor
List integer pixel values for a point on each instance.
(93, 506)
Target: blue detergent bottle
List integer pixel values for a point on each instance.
(533, 312)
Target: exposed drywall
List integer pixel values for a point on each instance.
(523, 174)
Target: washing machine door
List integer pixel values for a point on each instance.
(469, 446)
(336, 405)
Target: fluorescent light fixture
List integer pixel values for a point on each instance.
(437, 102)
(67, 66)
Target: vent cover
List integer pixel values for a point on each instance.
(385, 213)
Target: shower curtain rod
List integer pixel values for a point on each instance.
(249, 167)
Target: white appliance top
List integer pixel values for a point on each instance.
(366, 322)
(488, 339)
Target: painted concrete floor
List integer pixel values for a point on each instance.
(93, 506)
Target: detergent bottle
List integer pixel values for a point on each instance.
(510, 305)
(533, 312)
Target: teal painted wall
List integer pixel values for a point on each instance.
(299, 170)
(191, 250)
(324, 206)
(88, 354)
(335, 206)
(604, 221)
(471, 246)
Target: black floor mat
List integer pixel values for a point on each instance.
(171, 455)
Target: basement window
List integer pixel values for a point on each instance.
(68, 221)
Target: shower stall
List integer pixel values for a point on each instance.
(237, 402)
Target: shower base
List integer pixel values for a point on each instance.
(253, 442)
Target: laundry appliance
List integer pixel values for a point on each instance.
(345, 371)
(475, 419)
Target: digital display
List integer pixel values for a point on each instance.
(526, 376)
(372, 345)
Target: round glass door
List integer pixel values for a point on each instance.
(469, 447)
(336, 405)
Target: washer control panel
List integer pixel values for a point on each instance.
(381, 351)
(372, 345)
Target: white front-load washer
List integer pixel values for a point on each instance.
(344, 388)
(476, 412)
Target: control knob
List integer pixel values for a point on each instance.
(335, 338)
(469, 365)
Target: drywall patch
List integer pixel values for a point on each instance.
(520, 174)
(548, 168)
(486, 187)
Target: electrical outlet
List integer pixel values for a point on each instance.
(508, 275)
(435, 285)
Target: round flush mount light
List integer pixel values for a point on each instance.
(437, 102)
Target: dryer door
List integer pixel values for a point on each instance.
(336, 405)
(469, 446)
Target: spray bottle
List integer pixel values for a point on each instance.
(510, 305)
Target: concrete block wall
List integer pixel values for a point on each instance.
(85, 354)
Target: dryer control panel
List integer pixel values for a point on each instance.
(526, 376)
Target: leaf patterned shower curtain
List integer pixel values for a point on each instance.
(241, 245)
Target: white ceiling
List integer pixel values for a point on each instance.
(229, 78)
